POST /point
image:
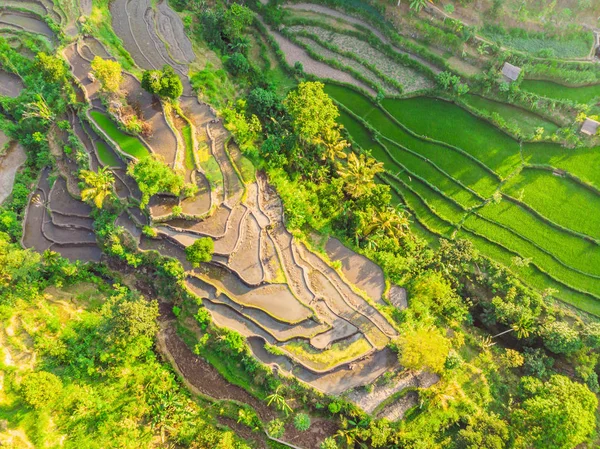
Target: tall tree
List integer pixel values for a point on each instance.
(423, 349)
(154, 176)
(312, 110)
(99, 185)
(108, 72)
(557, 414)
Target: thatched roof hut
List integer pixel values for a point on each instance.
(590, 127)
(510, 72)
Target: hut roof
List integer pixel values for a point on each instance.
(590, 127)
(510, 71)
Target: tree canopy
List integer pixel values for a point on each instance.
(557, 414)
(200, 251)
(154, 176)
(165, 83)
(108, 72)
(423, 349)
(312, 110)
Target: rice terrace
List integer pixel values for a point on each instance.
(326, 224)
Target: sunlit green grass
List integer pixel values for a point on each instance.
(186, 131)
(447, 122)
(585, 94)
(128, 144)
(559, 199)
(107, 156)
(532, 275)
(527, 250)
(581, 162)
(574, 251)
(525, 120)
(456, 164)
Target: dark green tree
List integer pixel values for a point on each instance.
(164, 83)
(200, 251)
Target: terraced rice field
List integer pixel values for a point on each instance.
(261, 281)
(525, 120)
(584, 95)
(445, 164)
(10, 84)
(128, 144)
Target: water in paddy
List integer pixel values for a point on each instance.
(584, 94)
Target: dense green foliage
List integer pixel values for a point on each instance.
(200, 251)
(154, 176)
(165, 83)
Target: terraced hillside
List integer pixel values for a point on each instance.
(301, 316)
(521, 203)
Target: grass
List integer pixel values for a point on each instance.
(447, 122)
(210, 166)
(322, 360)
(533, 276)
(455, 163)
(527, 250)
(574, 251)
(559, 199)
(581, 162)
(585, 94)
(107, 156)
(576, 46)
(128, 144)
(101, 25)
(186, 131)
(525, 120)
(557, 254)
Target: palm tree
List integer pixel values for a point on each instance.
(417, 5)
(333, 143)
(279, 401)
(391, 221)
(39, 108)
(359, 174)
(99, 185)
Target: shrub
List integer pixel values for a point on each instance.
(203, 318)
(200, 251)
(328, 443)
(302, 422)
(40, 389)
(276, 428)
(238, 65)
(560, 338)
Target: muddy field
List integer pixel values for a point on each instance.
(10, 84)
(10, 162)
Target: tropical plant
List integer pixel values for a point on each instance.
(99, 185)
(359, 174)
(108, 72)
(302, 422)
(333, 144)
(391, 221)
(279, 400)
(200, 251)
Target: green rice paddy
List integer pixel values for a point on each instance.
(525, 120)
(128, 144)
(585, 94)
(107, 156)
(445, 183)
(189, 147)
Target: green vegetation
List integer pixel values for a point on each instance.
(108, 72)
(190, 163)
(584, 95)
(128, 144)
(200, 251)
(338, 353)
(99, 186)
(165, 83)
(154, 176)
(106, 155)
(523, 119)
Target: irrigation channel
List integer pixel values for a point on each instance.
(301, 316)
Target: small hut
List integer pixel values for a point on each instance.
(510, 72)
(590, 127)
